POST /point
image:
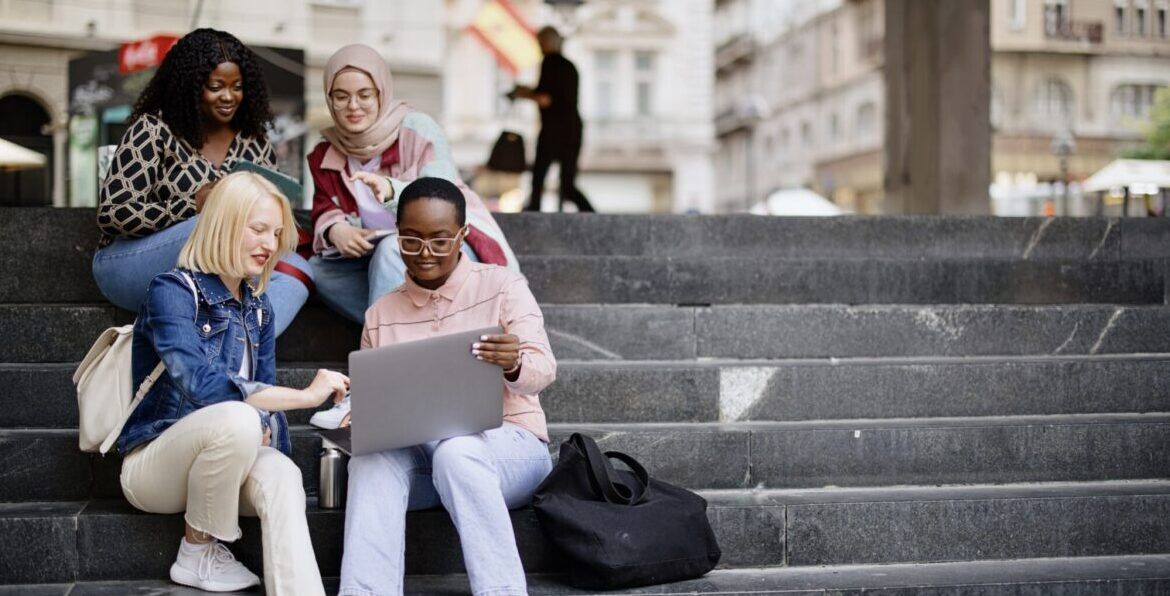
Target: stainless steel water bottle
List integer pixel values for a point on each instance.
(332, 479)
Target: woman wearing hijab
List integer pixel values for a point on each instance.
(377, 145)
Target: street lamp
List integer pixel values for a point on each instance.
(1064, 145)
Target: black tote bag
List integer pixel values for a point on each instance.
(618, 529)
(508, 153)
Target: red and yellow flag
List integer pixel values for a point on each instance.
(505, 33)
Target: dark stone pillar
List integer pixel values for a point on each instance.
(938, 90)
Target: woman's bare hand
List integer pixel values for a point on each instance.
(351, 241)
(327, 384)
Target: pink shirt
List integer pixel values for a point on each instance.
(473, 297)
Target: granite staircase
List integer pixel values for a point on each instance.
(890, 405)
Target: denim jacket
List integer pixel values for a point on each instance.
(202, 348)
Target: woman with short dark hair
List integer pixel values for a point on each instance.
(477, 478)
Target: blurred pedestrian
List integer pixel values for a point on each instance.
(560, 123)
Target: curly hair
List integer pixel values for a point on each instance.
(175, 90)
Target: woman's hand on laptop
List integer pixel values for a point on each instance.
(501, 350)
(328, 383)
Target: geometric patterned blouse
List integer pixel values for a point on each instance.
(154, 175)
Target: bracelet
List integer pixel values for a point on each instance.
(514, 368)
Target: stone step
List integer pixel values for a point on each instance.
(1132, 574)
(39, 232)
(762, 280)
(45, 465)
(64, 332)
(43, 396)
(670, 259)
(1137, 574)
(736, 280)
(887, 237)
(72, 541)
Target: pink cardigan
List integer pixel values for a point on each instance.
(421, 150)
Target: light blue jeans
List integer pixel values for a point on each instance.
(350, 286)
(477, 478)
(123, 271)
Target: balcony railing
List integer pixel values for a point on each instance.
(1082, 31)
(737, 47)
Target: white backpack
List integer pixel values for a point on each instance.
(105, 386)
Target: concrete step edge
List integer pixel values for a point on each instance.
(747, 426)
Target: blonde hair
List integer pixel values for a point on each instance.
(214, 245)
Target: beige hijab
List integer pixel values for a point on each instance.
(384, 131)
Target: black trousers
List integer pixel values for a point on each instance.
(548, 150)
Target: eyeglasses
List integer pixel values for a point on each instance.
(366, 98)
(440, 247)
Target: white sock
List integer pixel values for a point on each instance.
(188, 549)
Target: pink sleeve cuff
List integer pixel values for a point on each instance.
(327, 219)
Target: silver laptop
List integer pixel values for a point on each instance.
(415, 392)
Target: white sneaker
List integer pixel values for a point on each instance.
(211, 568)
(331, 418)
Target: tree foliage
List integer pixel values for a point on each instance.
(1157, 130)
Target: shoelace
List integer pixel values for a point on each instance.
(214, 558)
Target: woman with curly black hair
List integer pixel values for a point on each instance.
(204, 111)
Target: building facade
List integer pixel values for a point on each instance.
(1083, 70)
(645, 91)
(38, 38)
(645, 95)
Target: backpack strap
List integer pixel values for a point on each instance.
(148, 382)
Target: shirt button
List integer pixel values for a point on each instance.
(207, 328)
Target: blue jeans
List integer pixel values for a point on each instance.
(123, 271)
(350, 286)
(477, 478)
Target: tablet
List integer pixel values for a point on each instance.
(288, 186)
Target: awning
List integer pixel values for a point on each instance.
(1139, 175)
(799, 202)
(15, 157)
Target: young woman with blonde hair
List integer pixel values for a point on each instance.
(210, 437)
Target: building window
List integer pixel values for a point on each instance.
(1141, 10)
(834, 50)
(834, 128)
(806, 134)
(1162, 27)
(604, 68)
(996, 108)
(644, 82)
(869, 37)
(866, 121)
(1053, 103)
(1017, 11)
(1119, 17)
(1131, 102)
(1055, 17)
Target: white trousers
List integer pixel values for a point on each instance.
(211, 464)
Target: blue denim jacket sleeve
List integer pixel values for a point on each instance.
(171, 313)
(266, 352)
